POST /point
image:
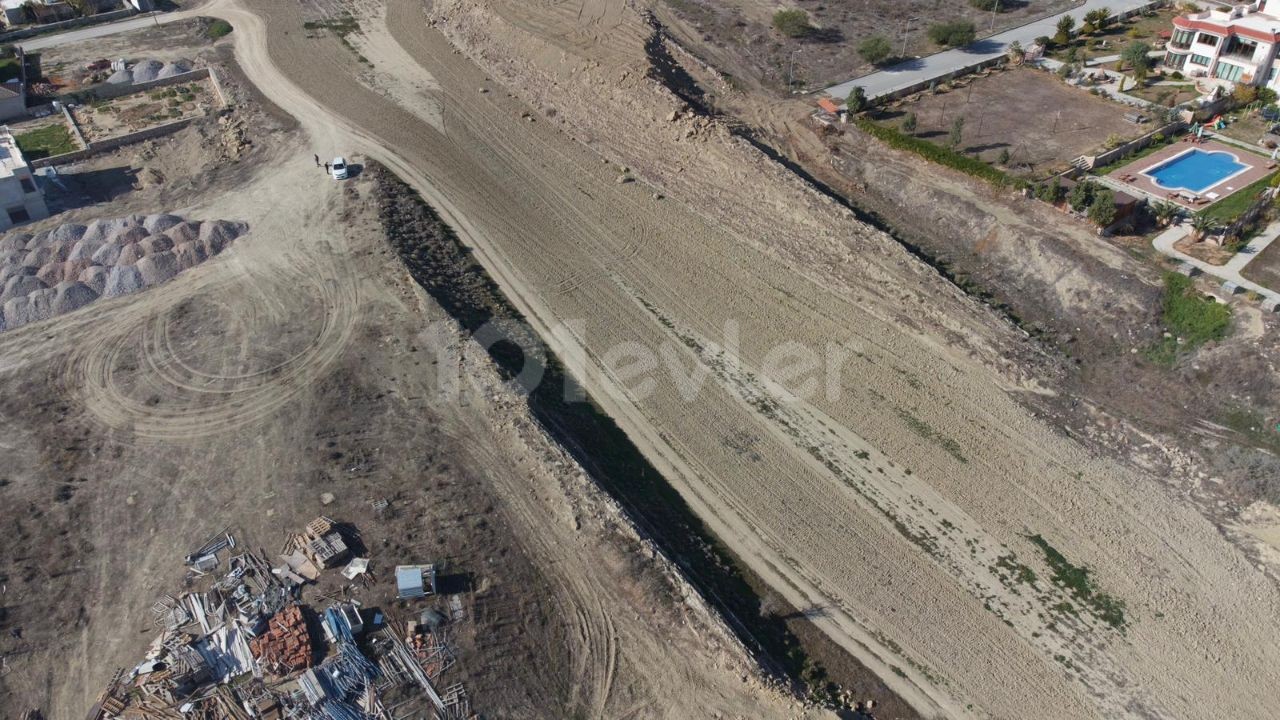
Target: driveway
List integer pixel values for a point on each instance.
(920, 70)
(1229, 273)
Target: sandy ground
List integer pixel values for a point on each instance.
(135, 428)
(888, 504)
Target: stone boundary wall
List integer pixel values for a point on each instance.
(112, 143)
(67, 24)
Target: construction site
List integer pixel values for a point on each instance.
(600, 383)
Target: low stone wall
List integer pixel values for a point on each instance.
(110, 91)
(66, 25)
(1136, 144)
(112, 143)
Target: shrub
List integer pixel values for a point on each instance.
(1081, 196)
(1266, 96)
(1244, 94)
(875, 49)
(957, 132)
(1177, 75)
(909, 124)
(953, 34)
(1103, 209)
(934, 153)
(1004, 156)
(1044, 41)
(792, 22)
(1087, 28)
(218, 29)
(1051, 192)
(1135, 56)
(988, 5)
(857, 100)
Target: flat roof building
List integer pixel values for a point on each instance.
(20, 196)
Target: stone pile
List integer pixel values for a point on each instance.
(60, 270)
(148, 70)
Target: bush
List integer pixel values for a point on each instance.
(218, 29)
(1266, 96)
(943, 156)
(1177, 75)
(1081, 196)
(1103, 209)
(956, 33)
(875, 49)
(1188, 315)
(1244, 94)
(989, 5)
(909, 124)
(793, 22)
(857, 100)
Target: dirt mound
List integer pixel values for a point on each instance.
(177, 67)
(147, 70)
(108, 257)
(158, 268)
(72, 296)
(121, 77)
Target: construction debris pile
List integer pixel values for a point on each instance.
(243, 644)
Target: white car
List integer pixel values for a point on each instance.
(339, 168)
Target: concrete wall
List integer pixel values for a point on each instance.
(112, 143)
(108, 91)
(66, 25)
(14, 196)
(1135, 144)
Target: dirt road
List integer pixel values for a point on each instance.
(899, 504)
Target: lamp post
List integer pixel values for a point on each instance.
(905, 25)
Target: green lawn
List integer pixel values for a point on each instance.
(46, 142)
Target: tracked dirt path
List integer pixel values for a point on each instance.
(898, 505)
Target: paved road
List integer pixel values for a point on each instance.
(95, 31)
(1231, 271)
(910, 72)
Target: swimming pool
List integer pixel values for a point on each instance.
(1195, 170)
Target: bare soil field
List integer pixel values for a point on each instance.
(67, 66)
(1265, 269)
(1041, 121)
(308, 361)
(741, 41)
(929, 519)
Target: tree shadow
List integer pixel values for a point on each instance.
(826, 35)
(76, 190)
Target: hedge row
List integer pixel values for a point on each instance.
(935, 153)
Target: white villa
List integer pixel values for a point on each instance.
(1236, 44)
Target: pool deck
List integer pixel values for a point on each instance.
(1131, 178)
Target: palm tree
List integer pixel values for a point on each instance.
(1164, 213)
(1202, 226)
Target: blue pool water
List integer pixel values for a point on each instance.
(1195, 171)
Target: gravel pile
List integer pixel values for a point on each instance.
(63, 269)
(147, 70)
(177, 67)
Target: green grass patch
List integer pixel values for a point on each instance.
(936, 153)
(1230, 207)
(1076, 580)
(926, 431)
(218, 29)
(46, 142)
(341, 27)
(1254, 427)
(1191, 316)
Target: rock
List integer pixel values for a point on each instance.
(622, 179)
(326, 498)
(673, 116)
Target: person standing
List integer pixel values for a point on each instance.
(317, 161)
(326, 168)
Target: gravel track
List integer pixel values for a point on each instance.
(926, 387)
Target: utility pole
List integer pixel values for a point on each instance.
(791, 68)
(994, 9)
(905, 26)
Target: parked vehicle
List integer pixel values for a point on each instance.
(339, 168)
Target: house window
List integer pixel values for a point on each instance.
(1181, 38)
(1174, 61)
(1227, 71)
(1271, 74)
(18, 215)
(1207, 39)
(27, 185)
(1200, 60)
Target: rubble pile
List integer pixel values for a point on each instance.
(285, 646)
(60, 270)
(238, 645)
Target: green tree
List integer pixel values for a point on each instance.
(792, 22)
(875, 49)
(1051, 192)
(1004, 156)
(1103, 210)
(1136, 56)
(909, 123)
(1080, 196)
(957, 133)
(1202, 226)
(1065, 24)
(1164, 212)
(956, 33)
(1099, 18)
(1044, 41)
(857, 100)
(1266, 96)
